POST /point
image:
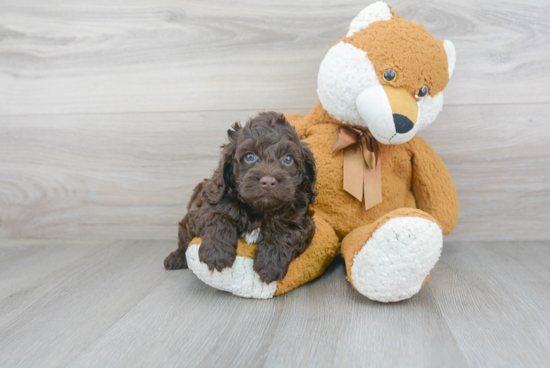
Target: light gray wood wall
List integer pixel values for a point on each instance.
(110, 112)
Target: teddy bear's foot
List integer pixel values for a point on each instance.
(394, 262)
(239, 279)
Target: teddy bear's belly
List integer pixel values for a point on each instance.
(345, 213)
(341, 210)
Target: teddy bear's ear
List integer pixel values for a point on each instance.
(372, 13)
(451, 56)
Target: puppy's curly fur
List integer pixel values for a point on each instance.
(265, 180)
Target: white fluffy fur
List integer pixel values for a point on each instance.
(428, 109)
(347, 83)
(394, 262)
(372, 13)
(252, 236)
(240, 279)
(375, 110)
(344, 73)
(451, 56)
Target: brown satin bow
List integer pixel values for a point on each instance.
(362, 168)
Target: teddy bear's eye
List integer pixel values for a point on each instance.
(422, 92)
(389, 75)
(250, 157)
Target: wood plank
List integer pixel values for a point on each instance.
(196, 326)
(184, 322)
(100, 171)
(131, 175)
(27, 276)
(485, 305)
(338, 327)
(151, 56)
(497, 158)
(42, 257)
(495, 299)
(63, 313)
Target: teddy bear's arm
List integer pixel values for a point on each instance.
(433, 187)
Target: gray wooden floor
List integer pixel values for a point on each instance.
(101, 303)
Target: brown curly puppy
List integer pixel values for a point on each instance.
(262, 191)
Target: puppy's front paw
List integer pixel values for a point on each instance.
(176, 260)
(216, 256)
(269, 272)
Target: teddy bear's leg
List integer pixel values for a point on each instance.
(313, 261)
(390, 259)
(241, 279)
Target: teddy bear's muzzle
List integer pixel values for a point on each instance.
(390, 113)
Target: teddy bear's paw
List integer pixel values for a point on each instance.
(239, 279)
(396, 260)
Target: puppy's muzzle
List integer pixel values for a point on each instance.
(268, 182)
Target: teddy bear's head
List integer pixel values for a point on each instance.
(386, 74)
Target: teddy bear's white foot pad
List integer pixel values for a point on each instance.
(394, 262)
(239, 279)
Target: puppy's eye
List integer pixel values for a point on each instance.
(389, 75)
(287, 160)
(422, 92)
(250, 157)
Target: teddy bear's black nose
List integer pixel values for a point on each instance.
(402, 123)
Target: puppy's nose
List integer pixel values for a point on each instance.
(268, 182)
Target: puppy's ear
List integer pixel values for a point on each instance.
(234, 131)
(309, 173)
(222, 180)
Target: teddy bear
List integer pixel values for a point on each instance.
(385, 197)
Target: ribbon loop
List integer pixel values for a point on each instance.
(362, 169)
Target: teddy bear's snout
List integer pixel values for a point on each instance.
(390, 113)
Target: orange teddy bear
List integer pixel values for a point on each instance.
(385, 197)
